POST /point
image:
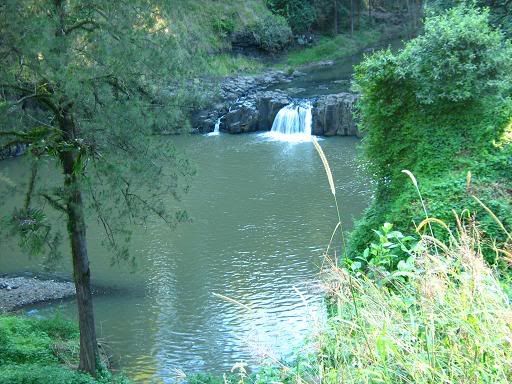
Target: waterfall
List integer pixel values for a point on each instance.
(293, 122)
(216, 130)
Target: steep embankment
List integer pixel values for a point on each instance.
(442, 109)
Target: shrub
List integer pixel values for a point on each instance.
(224, 26)
(272, 33)
(458, 58)
(300, 14)
(438, 108)
(32, 351)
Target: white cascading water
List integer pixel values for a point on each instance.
(293, 122)
(216, 130)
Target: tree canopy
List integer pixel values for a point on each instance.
(79, 84)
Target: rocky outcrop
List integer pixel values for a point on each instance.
(254, 113)
(236, 87)
(333, 115)
(12, 151)
(248, 107)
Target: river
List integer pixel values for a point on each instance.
(262, 217)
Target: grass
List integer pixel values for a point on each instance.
(39, 351)
(449, 322)
(331, 48)
(445, 320)
(222, 65)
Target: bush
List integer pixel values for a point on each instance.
(439, 108)
(459, 58)
(300, 14)
(272, 33)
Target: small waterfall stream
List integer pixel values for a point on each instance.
(216, 129)
(293, 122)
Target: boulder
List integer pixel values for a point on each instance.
(254, 113)
(13, 151)
(333, 115)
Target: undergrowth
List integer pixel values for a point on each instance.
(331, 48)
(441, 108)
(43, 351)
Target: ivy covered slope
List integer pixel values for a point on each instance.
(442, 109)
(36, 351)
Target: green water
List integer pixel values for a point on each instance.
(333, 78)
(262, 216)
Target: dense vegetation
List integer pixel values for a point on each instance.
(440, 108)
(75, 74)
(336, 16)
(34, 351)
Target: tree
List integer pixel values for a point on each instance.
(300, 14)
(82, 83)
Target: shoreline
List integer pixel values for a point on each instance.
(18, 292)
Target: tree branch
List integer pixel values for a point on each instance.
(82, 24)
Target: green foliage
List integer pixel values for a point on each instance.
(439, 108)
(34, 350)
(459, 58)
(392, 252)
(300, 14)
(272, 33)
(448, 323)
(500, 12)
(225, 26)
(331, 48)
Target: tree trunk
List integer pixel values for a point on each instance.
(351, 17)
(76, 222)
(370, 12)
(336, 29)
(358, 10)
(77, 234)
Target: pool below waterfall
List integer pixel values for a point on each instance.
(262, 215)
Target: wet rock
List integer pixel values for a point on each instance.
(254, 113)
(333, 115)
(13, 151)
(242, 119)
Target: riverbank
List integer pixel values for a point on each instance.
(17, 292)
(44, 351)
(341, 46)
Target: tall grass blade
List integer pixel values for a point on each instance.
(494, 217)
(326, 165)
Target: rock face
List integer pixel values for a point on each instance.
(333, 115)
(248, 107)
(13, 151)
(254, 113)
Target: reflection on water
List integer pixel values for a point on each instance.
(262, 216)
